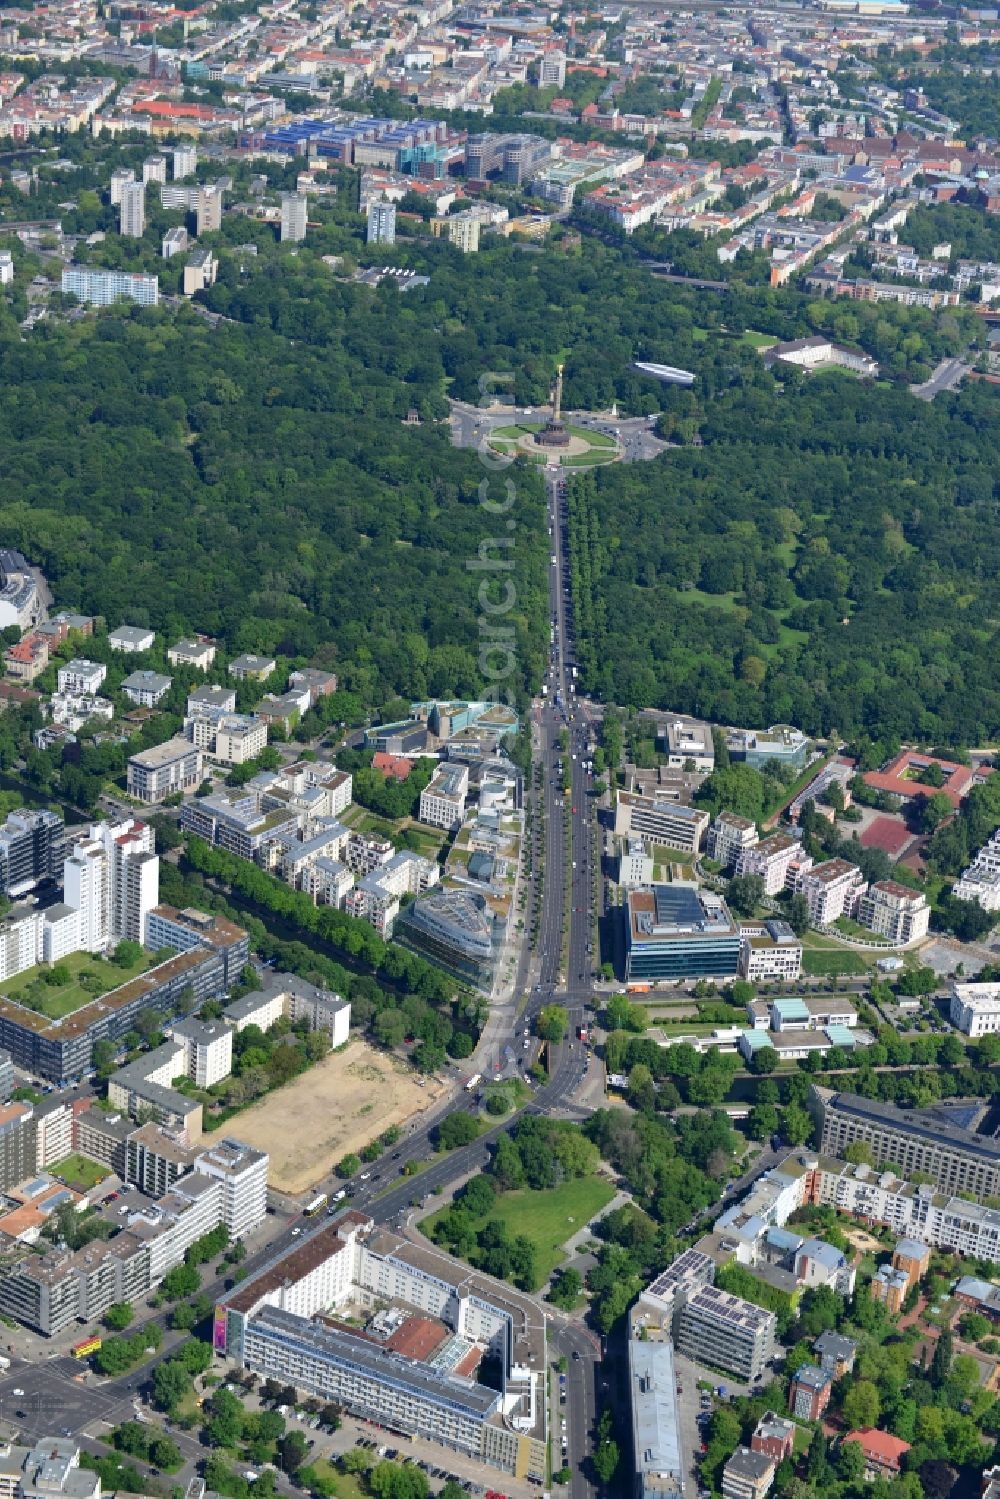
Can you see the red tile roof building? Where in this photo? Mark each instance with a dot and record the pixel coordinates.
(397, 766)
(883, 1453)
(900, 777)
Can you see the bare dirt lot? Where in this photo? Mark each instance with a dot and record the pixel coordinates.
(331, 1110)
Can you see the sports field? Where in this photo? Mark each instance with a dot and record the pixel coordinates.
(331, 1111)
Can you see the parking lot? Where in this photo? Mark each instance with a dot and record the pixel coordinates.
(440, 1463)
(694, 1407)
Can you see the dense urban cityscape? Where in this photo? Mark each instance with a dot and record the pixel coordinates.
(499, 749)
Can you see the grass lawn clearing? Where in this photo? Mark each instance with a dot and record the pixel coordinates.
(31, 989)
(79, 1172)
(819, 961)
(664, 854)
(755, 340)
(548, 1219)
(421, 840)
(349, 1485)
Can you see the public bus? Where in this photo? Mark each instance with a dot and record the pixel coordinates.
(87, 1347)
(316, 1206)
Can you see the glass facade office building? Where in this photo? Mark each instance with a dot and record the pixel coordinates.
(678, 932)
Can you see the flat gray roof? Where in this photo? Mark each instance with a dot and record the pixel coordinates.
(913, 1122)
(339, 1346)
(655, 1431)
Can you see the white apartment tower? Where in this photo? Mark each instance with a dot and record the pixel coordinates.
(185, 162)
(135, 879)
(86, 888)
(132, 221)
(112, 877)
(294, 210)
(552, 69)
(382, 223)
(120, 179)
(154, 168)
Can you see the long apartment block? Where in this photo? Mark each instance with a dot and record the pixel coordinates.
(287, 1323)
(909, 1141)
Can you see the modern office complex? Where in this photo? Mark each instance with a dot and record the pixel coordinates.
(707, 1323)
(769, 952)
(514, 158)
(104, 288)
(910, 1141)
(235, 820)
(454, 929)
(442, 801)
(660, 820)
(726, 1332)
(756, 747)
(679, 931)
(419, 1323)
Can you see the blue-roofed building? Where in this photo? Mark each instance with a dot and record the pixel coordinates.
(841, 1035)
(751, 1042)
(656, 1440)
(783, 1240)
(789, 1014)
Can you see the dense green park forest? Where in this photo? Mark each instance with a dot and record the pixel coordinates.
(828, 557)
(227, 480)
(245, 469)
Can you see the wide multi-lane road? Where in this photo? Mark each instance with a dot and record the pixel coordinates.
(568, 888)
